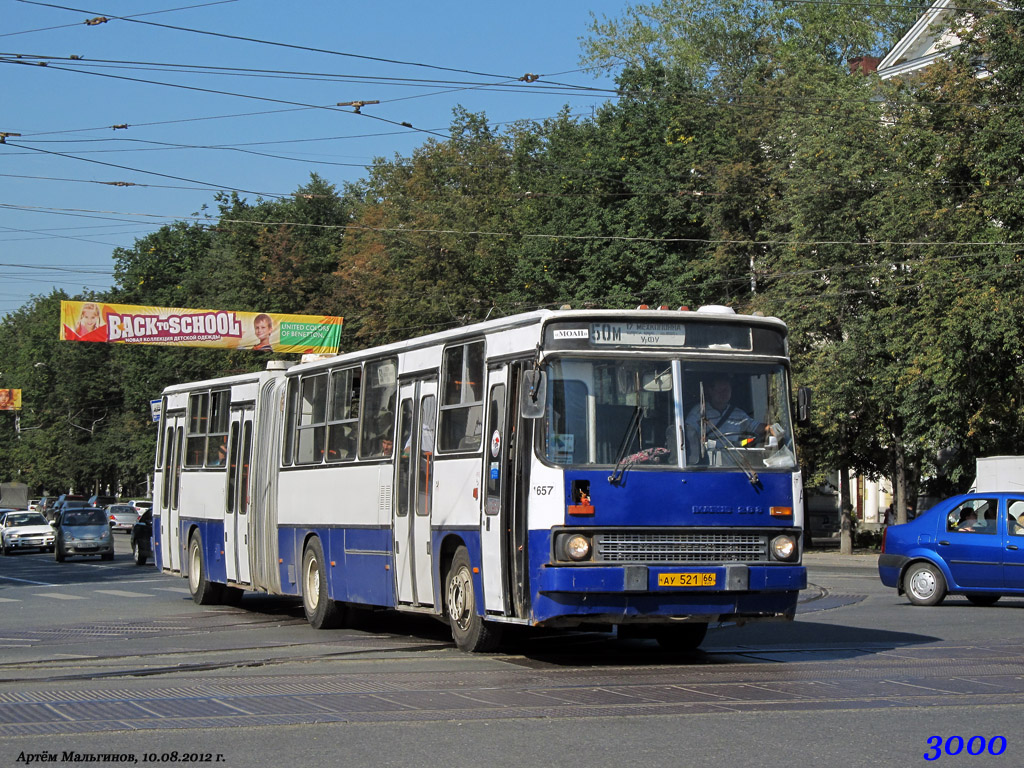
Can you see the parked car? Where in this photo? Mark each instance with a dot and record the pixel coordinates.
(142, 538)
(60, 506)
(25, 530)
(971, 545)
(82, 531)
(121, 517)
(46, 505)
(66, 497)
(102, 501)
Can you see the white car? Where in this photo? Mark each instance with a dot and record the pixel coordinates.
(25, 530)
(141, 505)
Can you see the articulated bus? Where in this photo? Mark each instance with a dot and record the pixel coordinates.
(572, 468)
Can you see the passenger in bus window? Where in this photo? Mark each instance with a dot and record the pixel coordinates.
(218, 453)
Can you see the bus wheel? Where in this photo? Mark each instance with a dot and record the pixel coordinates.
(321, 611)
(470, 632)
(683, 638)
(204, 592)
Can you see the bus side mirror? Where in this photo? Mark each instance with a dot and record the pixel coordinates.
(533, 394)
(803, 406)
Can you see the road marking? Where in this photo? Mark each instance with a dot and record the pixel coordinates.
(59, 596)
(29, 581)
(180, 590)
(8, 600)
(121, 593)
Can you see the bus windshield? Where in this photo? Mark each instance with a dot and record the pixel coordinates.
(663, 413)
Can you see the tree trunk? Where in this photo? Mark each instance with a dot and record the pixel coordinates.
(899, 482)
(845, 507)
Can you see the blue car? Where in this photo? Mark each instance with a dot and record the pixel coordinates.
(971, 545)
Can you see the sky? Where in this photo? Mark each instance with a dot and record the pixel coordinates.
(241, 95)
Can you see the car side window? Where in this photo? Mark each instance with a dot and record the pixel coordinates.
(1015, 517)
(974, 516)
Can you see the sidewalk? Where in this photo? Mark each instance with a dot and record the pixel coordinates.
(861, 558)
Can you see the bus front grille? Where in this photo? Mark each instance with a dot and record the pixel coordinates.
(690, 547)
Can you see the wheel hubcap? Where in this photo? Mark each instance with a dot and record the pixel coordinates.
(313, 583)
(193, 570)
(923, 584)
(460, 602)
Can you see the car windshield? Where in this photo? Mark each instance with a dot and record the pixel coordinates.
(667, 413)
(85, 517)
(31, 519)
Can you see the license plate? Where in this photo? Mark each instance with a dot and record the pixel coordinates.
(686, 579)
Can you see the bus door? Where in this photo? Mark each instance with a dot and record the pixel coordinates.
(413, 480)
(500, 526)
(236, 504)
(174, 446)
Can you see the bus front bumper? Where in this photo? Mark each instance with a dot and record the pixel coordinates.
(573, 595)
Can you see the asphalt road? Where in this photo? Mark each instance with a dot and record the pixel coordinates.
(101, 659)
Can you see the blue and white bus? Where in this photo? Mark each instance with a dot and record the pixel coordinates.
(630, 469)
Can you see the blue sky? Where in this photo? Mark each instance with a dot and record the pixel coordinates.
(61, 218)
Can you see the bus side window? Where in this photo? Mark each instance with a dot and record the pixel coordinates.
(377, 429)
(462, 405)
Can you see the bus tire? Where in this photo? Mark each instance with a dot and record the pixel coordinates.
(204, 591)
(681, 638)
(321, 611)
(924, 584)
(469, 630)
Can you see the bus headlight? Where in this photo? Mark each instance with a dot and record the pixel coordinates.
(784, 548)
(574, 547)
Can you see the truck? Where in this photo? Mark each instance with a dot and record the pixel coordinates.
(999, 473)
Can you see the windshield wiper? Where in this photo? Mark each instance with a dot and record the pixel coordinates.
(741, 460)
(627, 438)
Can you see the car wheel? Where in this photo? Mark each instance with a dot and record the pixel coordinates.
(924, 584)
(321, 611)
(58, 554)
(6, 551)
(107, 556)
(470, 632)
(137, 554)
(204, 592)
(978, 599)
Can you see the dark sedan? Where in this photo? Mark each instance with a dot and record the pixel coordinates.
(971, 545)
(142, 538)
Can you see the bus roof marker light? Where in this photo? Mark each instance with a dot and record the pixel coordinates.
(716, 309)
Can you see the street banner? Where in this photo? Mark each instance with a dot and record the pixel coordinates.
(219, 329)
(10, 399)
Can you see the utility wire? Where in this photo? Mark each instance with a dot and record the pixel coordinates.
(148, 13)
(277, 44)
